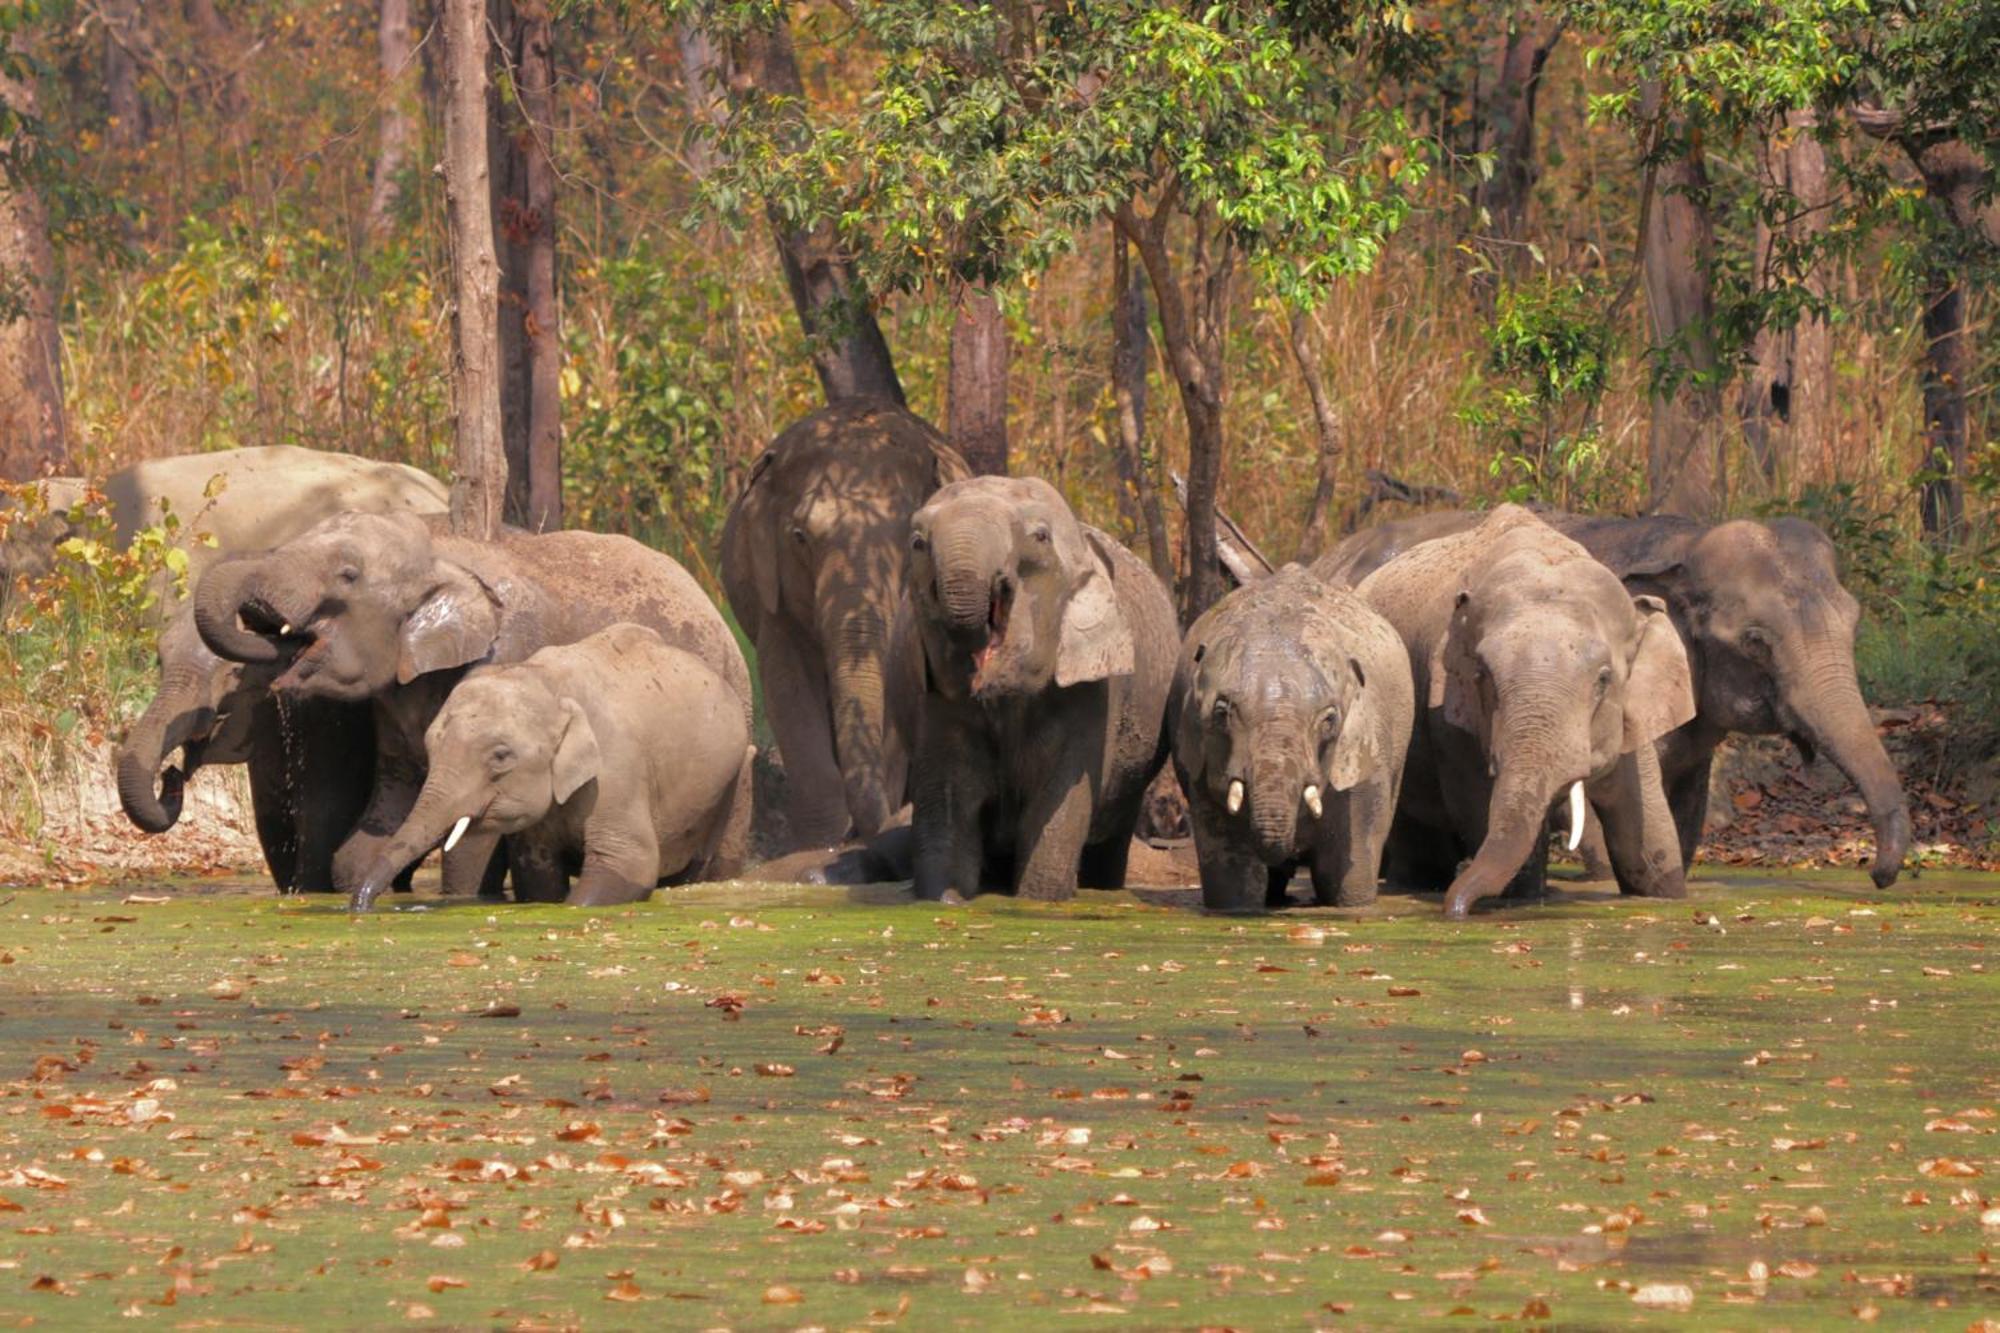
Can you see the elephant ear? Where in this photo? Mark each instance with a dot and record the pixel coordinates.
(947, 464)
(1357, 753)
(577, 758)
(748, 534)
(453, 626)
(1186, 711)
(1452, 673)
(1659, 693)
(1095, 641)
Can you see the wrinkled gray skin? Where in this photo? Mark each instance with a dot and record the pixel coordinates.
(1047, 653)
(1292, 693)
(310, 763)
(381, 609)
(812, 561)
(1535, 670)
(226, 501)
(1769, 633)
(618, 754)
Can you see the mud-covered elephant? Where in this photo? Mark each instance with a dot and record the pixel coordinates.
(382, 609)
(1290, 718)
(617, 754)
(1769, 633)
(229, 500)
(812, 560)
(311, 762)
(1047, 650)
(1538, 675)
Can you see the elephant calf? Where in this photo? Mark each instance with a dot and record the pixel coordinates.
(617, 751)
(1047, 653)
(1290, 719)
(1540, 675)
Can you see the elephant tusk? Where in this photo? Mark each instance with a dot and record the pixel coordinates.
(1235, 795)
(1313, 802)
(1575, 814)
(285, 630)
(458, 831)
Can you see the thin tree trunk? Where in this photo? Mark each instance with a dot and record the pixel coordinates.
(480, 490)
(1510, 130)
(1684, 466)
(32, 431)
(705, 90)
(1787, 390)
(1947, 367)
(542, 317)
(1326, 422)
(1129, 344)
(394, 52)
(848, 350)
(125, 106)
(219, 61)
(976, 397)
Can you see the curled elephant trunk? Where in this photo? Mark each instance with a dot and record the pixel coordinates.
(1516, 821)
(431, 821)
(219, 599)
(1834, 717)
(176, 716)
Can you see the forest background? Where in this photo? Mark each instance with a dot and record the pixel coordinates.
(1322, 259)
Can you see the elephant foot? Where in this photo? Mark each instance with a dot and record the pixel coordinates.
(950, 898)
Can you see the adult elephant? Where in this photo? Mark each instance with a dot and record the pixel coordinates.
(381, 609)
(1046, 650)
(229, 500)
(310, 763)
(812, 559)
(1537, 675)
(1769, 632)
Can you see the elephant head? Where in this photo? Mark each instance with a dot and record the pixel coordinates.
(1773, 631)
(1277, 713)
(1559, 672)
(1010, 594)
(503, 752)
(203, 708)
(350, 607)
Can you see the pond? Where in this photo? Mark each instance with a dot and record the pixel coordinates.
(769, 1107)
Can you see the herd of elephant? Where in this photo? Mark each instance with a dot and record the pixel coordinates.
(568, 710)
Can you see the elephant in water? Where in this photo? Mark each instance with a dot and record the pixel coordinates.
(812, 560)
(1047, 650)
(1539, 677)
(1769, 633)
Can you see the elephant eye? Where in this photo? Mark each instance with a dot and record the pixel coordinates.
(798, 534)
(1329, 723)
(1603, 680)
(919, 542)
(502, 756)
(1040, 532)
(1756, 639)
(349, 574)
(1220, 712)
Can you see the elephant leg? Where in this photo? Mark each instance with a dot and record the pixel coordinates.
(624, 871)
(796, 703)
(952, 784)
(1103, 863)
(1232, 879)
(399, 776)
(1687, 797)
(329, 755)
(1531, 881)
(1346, 868)
(1640, 836)
(466, 867)
(536, 864)
(1278, 885)
(275, 808)
(729, 844)
(1048, 838)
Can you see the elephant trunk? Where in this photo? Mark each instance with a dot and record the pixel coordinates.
(1540, 749)
(1516, 820)
(857, 649)
(218, 602)
(1826, 700)
(435, 818)
(966, 566)
(178, 713)
(1276, 788)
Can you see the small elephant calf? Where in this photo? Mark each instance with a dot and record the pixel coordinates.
(1290, 717)
(618, 752)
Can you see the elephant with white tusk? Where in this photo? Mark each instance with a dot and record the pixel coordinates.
(1293, 704)
(1540, 679)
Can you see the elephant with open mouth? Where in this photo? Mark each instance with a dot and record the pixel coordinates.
(1290, 717)
(1540, 680)
(383, 610)
(1047, 650)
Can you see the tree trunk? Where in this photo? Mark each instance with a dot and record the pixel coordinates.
(1947, 369)
(976, 400)
(848, 350)
(32, 434)
(705, 90)
(219, 58)
(394, 53)
(1684, 465)
(1510, 129)
(125, 107)
(1129, 344)
(1326, 422)
(1786, 393)
(481, 457)
(541, 314)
